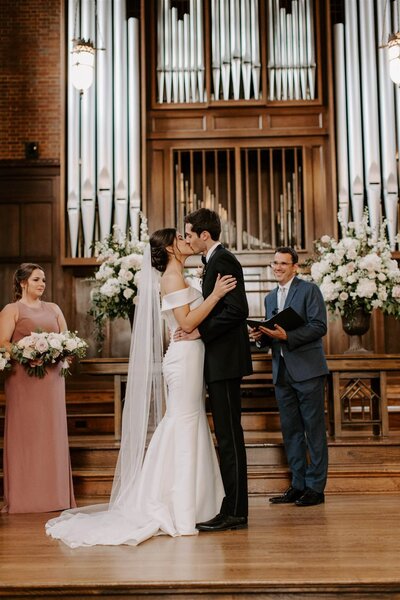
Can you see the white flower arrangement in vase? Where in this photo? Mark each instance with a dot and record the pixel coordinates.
(357, 273)
(117, 278)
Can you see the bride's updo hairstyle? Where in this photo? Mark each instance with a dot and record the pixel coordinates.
(159, 242)
(22, 274)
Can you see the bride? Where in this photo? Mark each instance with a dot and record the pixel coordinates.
(177, 483)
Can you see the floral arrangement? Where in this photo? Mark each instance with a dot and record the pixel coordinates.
(4, 359)
(39, 349)
(357, 272)
(118, 276)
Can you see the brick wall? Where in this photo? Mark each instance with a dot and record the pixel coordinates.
(30, 100)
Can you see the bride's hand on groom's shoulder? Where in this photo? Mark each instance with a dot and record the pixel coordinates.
(223, 285)
(181, 335)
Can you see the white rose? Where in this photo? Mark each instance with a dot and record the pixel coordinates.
(349, 243)
(366, 288)
(371, 262)
(376, 303)
(396, 291)
(352, 254)
(71, 345)
(136, 279)
(110, 288)
(343, 296)
(27, 353)
(55, 342)
(26, 342)
(329, 292)
(3, 363)
(41, 345)
(325, 239)
(125, 276)
(382, 294)
(351, 279)
(382, 277)
(128, 293)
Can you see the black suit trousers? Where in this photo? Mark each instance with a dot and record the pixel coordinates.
(225, 404)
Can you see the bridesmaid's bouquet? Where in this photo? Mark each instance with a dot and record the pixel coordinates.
(4, 359)
(40, 348)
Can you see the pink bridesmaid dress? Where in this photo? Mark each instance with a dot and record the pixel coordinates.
(37, 468)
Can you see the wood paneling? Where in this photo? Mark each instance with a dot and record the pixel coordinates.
(296, 121)
(190, 123)
(243, 122)
(29, 225)
(10, 230)
(36, 229)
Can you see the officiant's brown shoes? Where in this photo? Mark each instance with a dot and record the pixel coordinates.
(223, 523)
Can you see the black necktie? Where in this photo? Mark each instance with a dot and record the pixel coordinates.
(203, 260)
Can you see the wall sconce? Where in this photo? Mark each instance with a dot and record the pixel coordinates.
(82, 67)
(83, 53)
(393, 47)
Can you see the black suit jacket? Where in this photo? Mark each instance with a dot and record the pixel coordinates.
(224, 331)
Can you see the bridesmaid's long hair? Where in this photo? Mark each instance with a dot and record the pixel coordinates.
(23, 273)
(159, 241)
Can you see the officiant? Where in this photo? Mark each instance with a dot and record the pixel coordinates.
(299, 371)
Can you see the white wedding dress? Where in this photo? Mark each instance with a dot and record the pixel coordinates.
(179, 483)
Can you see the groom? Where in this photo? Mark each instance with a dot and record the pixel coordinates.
(227, 360)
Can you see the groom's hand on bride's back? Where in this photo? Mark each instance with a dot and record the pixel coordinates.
(181, 335)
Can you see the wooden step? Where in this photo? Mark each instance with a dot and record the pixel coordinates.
(355, 466)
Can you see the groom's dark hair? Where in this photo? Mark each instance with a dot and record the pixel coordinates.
(205, 219)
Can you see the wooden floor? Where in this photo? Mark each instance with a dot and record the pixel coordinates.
(349, 547)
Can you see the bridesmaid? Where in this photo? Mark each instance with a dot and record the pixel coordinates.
(37, 470)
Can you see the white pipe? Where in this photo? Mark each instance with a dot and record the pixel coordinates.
(341, 123)
(193, 50)
(181, 48)
(73, 191)
(388, 136)
(160, 51)
(174, 54)
(370, 113)
(134, 124)
(235, 47)
(310, 48)
(225, 48)
(396, 7)
(167, 50)
(88, 151)
(245, 46)
(271, 51)
(303, 48)
(120, 118)
(282, 25)
(255, 48)
(104, 118)
(295, 47)
(215, 47)
(200, 50)
(278, 52)
(289, 34)
(186, 57)
(354, 112)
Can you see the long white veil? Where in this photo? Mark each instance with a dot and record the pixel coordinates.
(142, 412)
(144, 389)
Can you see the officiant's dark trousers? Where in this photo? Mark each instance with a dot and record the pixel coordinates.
(302, 414)
(225, 405)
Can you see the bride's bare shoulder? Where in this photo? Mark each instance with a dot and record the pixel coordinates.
(172, 282)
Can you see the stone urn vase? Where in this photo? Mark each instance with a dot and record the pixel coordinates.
(131, 315)
(355, 324)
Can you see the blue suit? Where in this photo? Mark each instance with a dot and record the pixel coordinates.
(299, 369)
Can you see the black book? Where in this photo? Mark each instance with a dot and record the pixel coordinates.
(288, 319)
